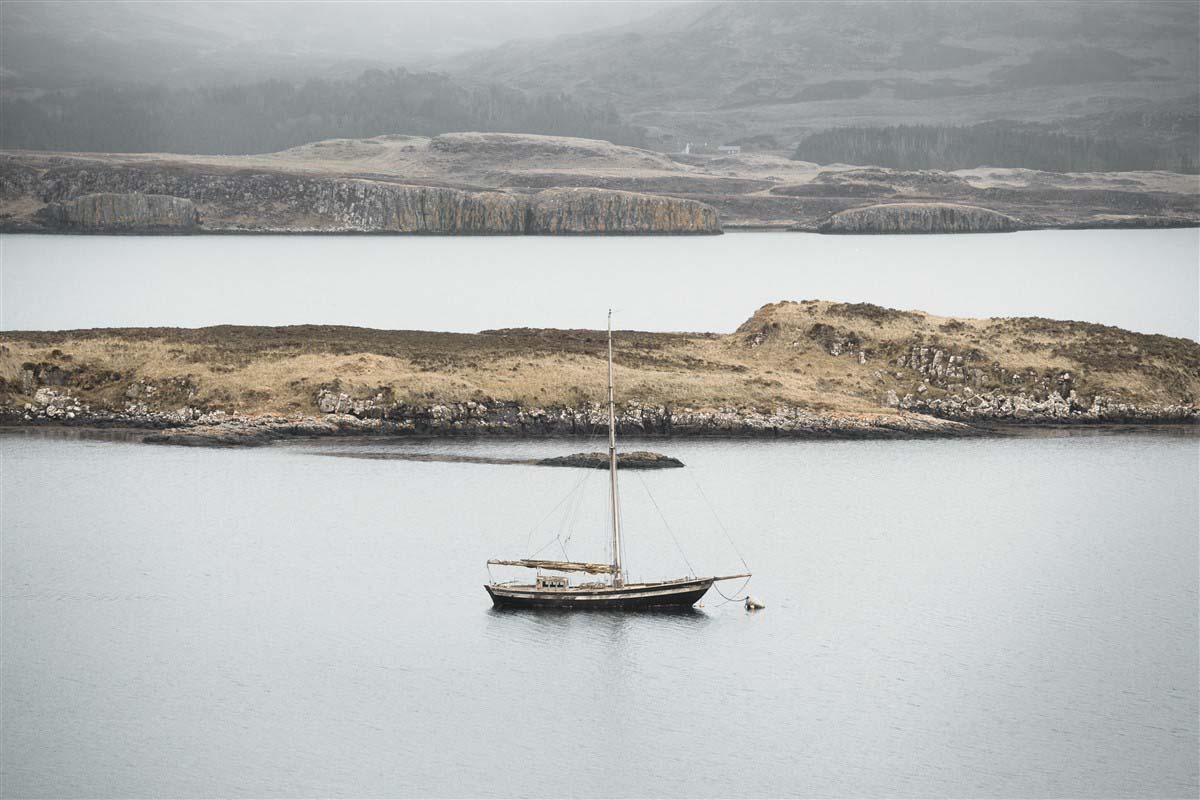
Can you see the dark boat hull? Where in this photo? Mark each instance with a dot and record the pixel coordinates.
(633, 597)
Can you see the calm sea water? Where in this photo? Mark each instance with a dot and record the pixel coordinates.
(992, 618)
(1146, 281)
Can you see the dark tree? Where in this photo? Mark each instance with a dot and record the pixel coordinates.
(274, 115)
(993, 144)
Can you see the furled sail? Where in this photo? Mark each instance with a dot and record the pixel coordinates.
(560, 566)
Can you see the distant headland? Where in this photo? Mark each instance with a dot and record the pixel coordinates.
(523, 184)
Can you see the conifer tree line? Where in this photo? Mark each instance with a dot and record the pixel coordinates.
(274, 115)
(995, 144)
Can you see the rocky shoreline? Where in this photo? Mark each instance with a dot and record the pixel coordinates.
(98, 198)
(345, 416)
(916, 419)
(518, 184)
(811, 369)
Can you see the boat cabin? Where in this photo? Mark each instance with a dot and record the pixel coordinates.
(551, 582)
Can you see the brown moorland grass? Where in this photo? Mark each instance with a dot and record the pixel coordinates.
(832, 357)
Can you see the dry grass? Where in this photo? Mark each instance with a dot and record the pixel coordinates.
(782, 355)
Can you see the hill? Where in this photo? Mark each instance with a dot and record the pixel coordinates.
(55, 44)
(769, 73)
(813, 368)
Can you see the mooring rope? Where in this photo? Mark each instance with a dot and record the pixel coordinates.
(733, 599)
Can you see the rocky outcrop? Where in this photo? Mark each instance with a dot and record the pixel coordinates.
(996, 406)
(382, 208)
(919, 218)
(97, 197)
(592, 211)
(274, 202)
(513, 420)
(960, 387)
(633, 418)
(371, 416)
(920, 416)
(637, 459)
(130, 212)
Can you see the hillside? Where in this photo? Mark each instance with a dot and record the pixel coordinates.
(1065, 86)
(51, 44)
(486, 182)
(808, 369)
(768, 73)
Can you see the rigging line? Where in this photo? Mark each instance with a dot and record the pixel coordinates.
(720, 524)
(577, 506)
(562, 524)
(569, 495)
(621, 519)
(667, 525)
(567, 528)
(733, 599)
(557, 537)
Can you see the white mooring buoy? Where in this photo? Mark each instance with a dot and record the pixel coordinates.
(754, 604)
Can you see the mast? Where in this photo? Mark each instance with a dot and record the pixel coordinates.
(617, 578)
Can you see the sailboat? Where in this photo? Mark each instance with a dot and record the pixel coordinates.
(611, 591)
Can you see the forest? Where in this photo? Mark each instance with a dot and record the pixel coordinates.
(995, 144)
(274, 115)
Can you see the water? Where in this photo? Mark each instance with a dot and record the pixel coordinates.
(1003, 617)
(1144, 280)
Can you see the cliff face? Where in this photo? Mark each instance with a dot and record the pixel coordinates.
(277, 191)
(122, 212)
(93, 196)
(362, 206)
(919, 218)
(602, 211)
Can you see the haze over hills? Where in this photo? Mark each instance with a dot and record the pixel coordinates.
(728, 71)
(52, 45)
(1057, 86)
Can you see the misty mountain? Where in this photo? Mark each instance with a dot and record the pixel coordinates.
(54, 45)
(1097, 83)
(730, 71)
(997, 144)
(274, 115)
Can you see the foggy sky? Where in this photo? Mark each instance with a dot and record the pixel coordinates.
(56, 44)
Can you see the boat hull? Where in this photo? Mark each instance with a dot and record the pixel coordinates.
(634, 597)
